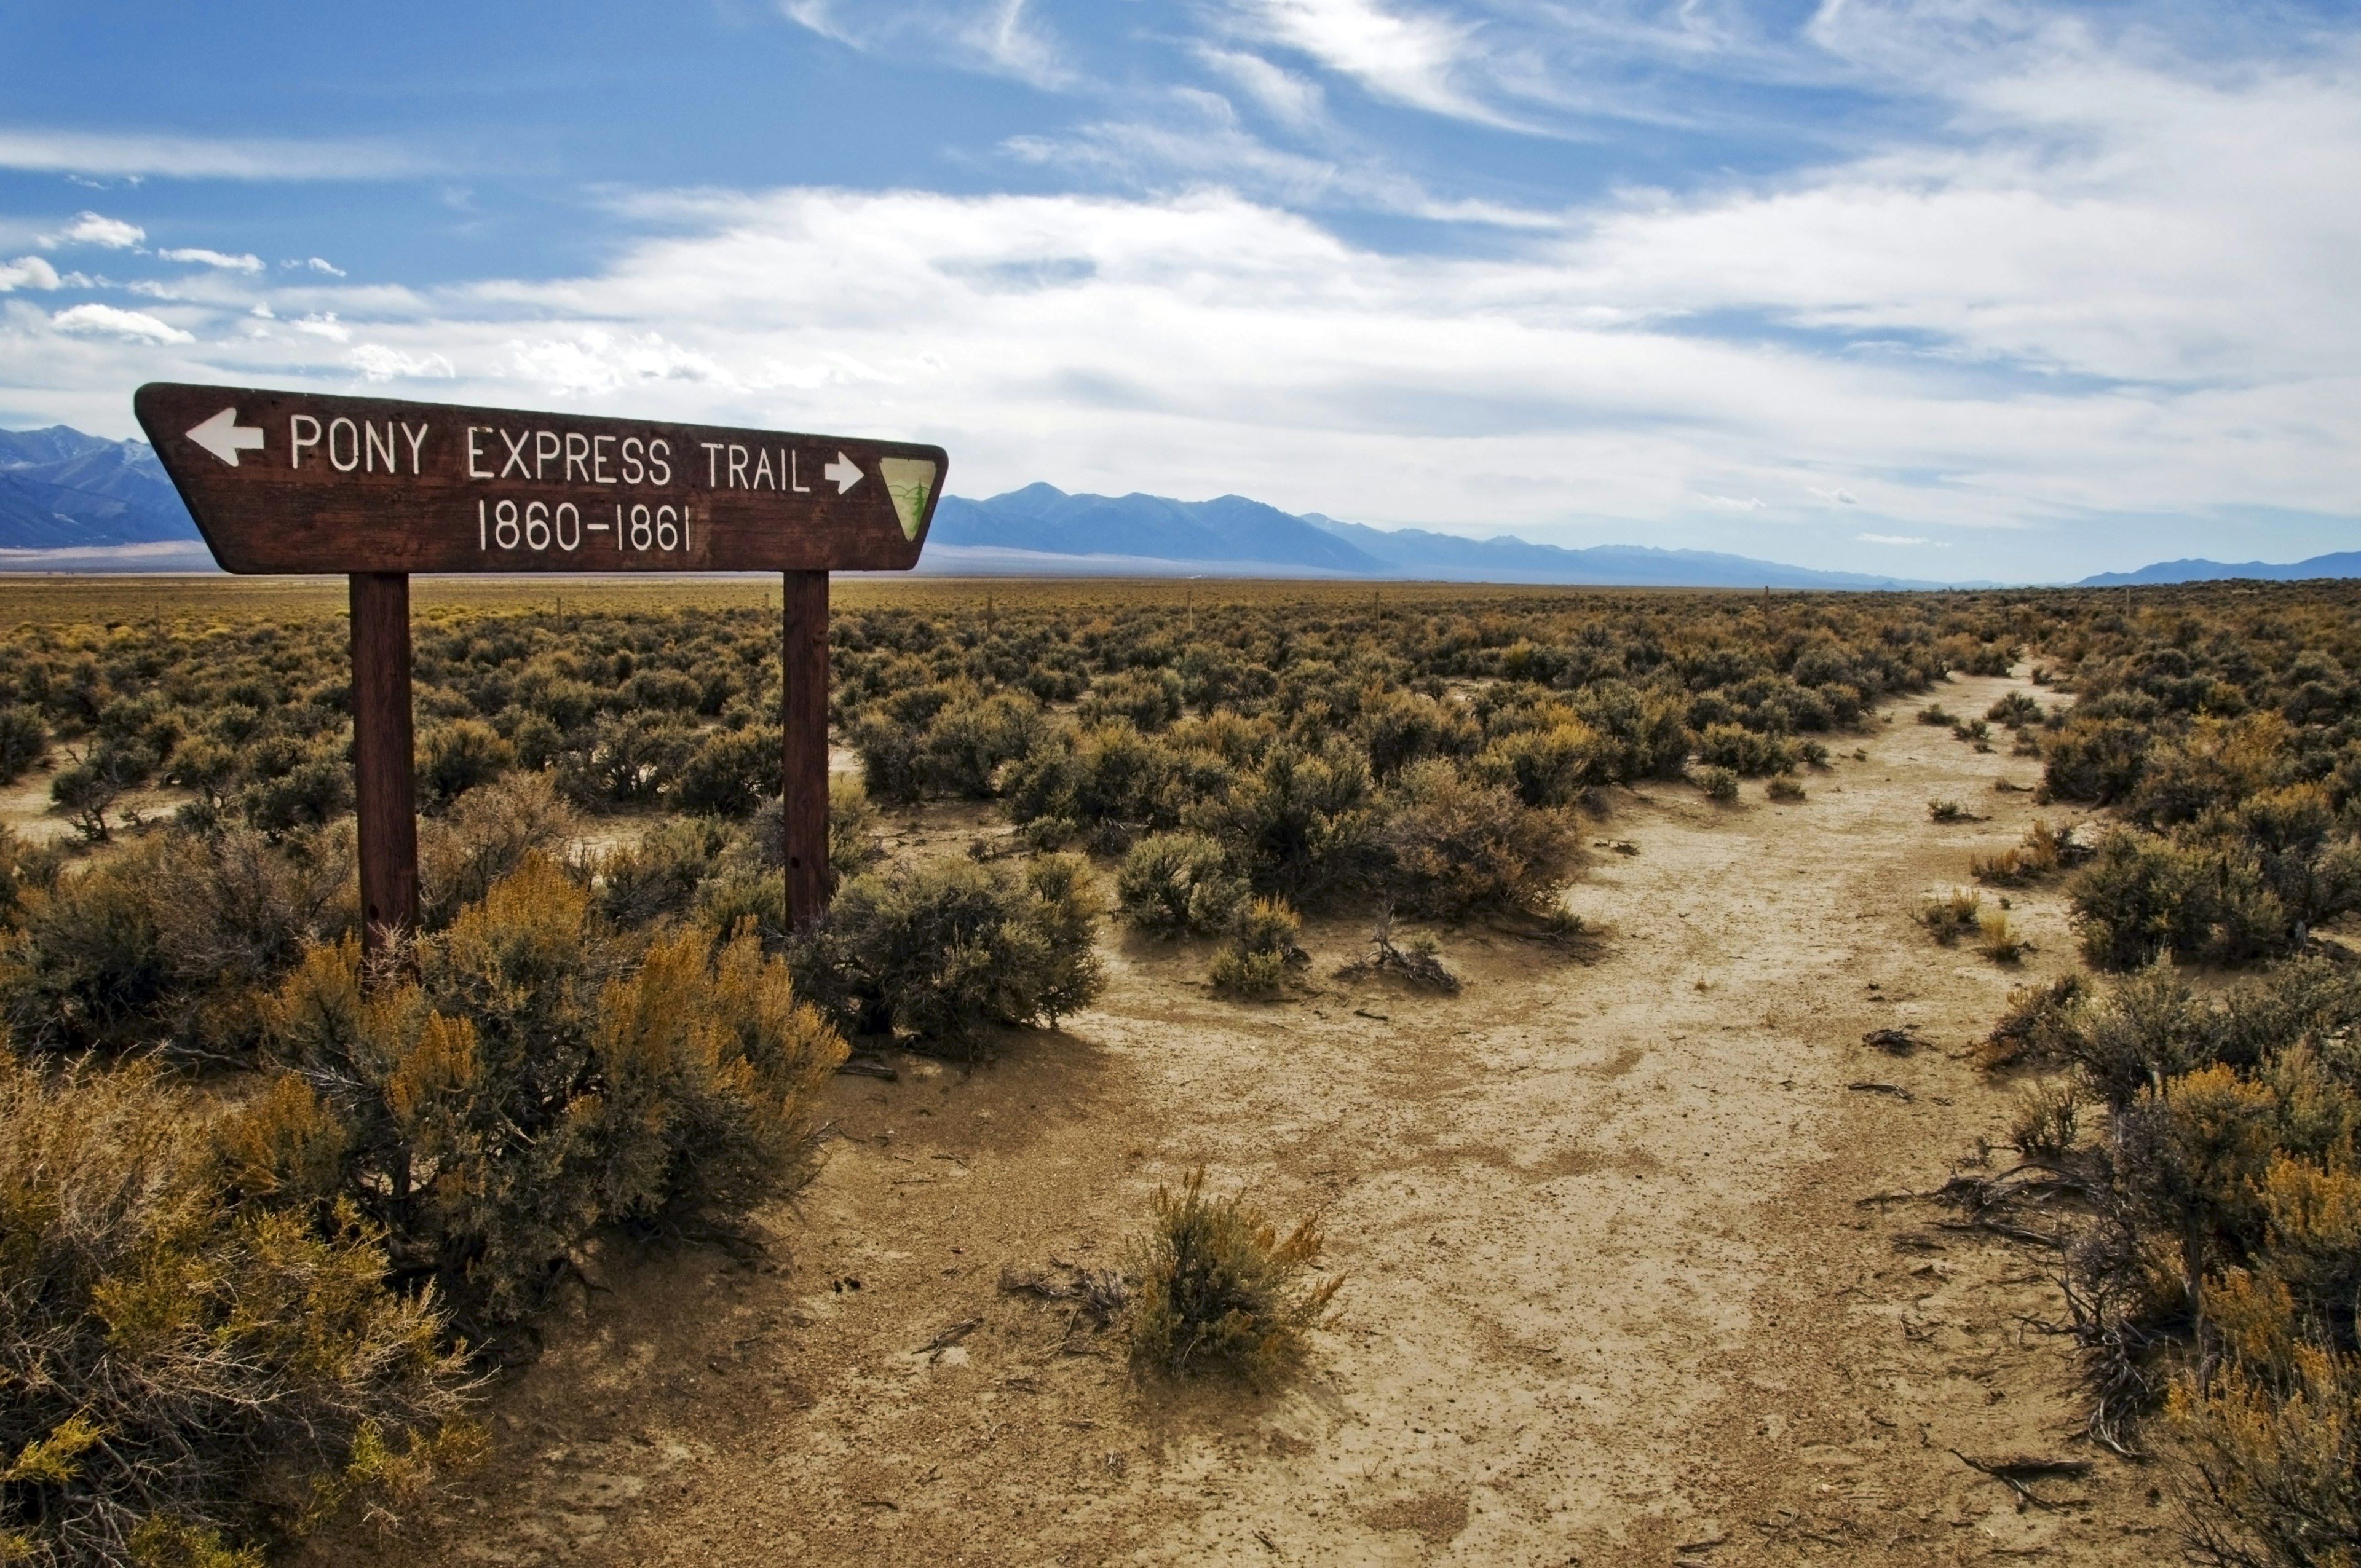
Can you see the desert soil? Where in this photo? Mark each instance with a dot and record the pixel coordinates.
(1614, 1293)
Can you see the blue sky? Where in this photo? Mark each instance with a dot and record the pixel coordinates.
(1958, 288)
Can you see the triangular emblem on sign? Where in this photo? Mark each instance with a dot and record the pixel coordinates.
(911, 481)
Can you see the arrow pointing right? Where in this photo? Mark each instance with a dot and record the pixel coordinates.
(844, 471)
(224, 437)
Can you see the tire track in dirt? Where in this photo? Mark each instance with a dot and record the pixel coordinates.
(1612, 1297)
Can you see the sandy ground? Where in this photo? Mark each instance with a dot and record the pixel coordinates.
(1613, 1293)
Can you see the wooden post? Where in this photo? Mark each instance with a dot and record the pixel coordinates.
(382, 777)
(803, 715)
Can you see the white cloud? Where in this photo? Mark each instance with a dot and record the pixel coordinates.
(1837, 497)
(107, 321)
(325, 326)
(194, 157)
(378, 363)
(204, 258)
(28, 273)
(1891, 539)
(91, 228)
(318, 265)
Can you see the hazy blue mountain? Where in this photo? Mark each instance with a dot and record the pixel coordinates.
(2344, 564)
(1037, 528)
(1045, 519)
(1504, 558)
(62, 489)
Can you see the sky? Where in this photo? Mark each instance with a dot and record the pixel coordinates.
(1949, 289)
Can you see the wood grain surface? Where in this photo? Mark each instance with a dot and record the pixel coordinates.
(285, 481)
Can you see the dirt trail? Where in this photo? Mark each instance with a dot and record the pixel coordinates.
(1612, 1295)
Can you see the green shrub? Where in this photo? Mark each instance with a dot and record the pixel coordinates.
(456, 757)
(1552, 766)
(2097, 760)
(733, 771)
(889, 758)
(1302, 824)
(1717, 783)
(1262, 953)
(1175, 882)
(1455, 849)
(24, 741)
(1149, 699)
(660, 876)
(2140, 897)
(2014, 710)
(1746, 752)
(971, 740)
(944, 951)
(1220, 1289)
(185, 1372)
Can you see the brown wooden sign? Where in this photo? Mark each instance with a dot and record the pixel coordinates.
(378, 490)
(299, 482)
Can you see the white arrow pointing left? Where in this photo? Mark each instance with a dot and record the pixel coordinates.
(844, 471)
(224, 437)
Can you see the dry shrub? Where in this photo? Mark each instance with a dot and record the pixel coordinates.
(1784, 788)
(1952, 916)
(187, 1373)
(485, 835)
(1172, 884)
(2275, 1456)
(1997, 939)
(169, 939)
(1220, 1289)
(2040, 1025)
(945, 952)
(1416, 960)
(1458, 848)
(1949, 811)
(2046, 1121)
(2039, 856)
(1261, 957)
(1933, 713)
(530, 1083)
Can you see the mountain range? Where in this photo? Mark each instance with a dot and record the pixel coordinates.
(2342, 564)
(61, 489)
(72, 503)
(1041, 528)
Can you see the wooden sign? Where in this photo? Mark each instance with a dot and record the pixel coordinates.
(299, 482)
(378, 490)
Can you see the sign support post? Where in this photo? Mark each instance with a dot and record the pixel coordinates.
(379, 490)
(803, 721)
(384, 782)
